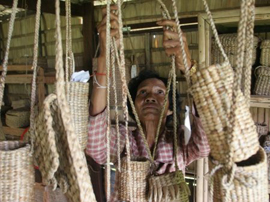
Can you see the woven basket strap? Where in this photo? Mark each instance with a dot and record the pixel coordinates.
(5, 62)
(213, 27)
(34, 81)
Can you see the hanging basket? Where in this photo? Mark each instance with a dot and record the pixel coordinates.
(262, 85)
(16, 172)
(230, 46)
(212, 92)
(140, 171)
(265, 53)
(262, 129)
(78, 102)
(249, 184)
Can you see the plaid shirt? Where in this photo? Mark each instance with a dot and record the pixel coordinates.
(197, 146)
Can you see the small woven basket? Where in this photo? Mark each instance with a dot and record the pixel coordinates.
(78, 102)
(168, 187)
(140, 171)
(265, 53)
(249, 184)
(230, 46)
(262, 85)
(262, 129)
(16, 172)
(212, 92)
(17, 118)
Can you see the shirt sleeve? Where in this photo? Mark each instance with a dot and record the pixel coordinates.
(197, 146)
(97, 141)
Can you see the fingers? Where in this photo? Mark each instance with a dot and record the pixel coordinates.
(170, 23)
(114, 8)
(171, 35)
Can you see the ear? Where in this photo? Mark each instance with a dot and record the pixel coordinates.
(169, 112)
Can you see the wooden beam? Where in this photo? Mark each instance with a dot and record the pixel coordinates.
(47, 6)
(88, 35)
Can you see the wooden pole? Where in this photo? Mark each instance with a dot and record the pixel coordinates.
(147, 43)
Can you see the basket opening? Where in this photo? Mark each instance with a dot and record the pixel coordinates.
(253, 160)
(11, 145)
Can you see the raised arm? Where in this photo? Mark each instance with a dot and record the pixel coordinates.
(98, 97)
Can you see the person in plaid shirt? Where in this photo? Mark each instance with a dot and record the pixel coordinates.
(148, 91)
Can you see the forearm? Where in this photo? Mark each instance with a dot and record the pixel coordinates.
(99, 94)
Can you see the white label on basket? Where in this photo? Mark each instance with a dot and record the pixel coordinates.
(133, 71)
(187, 126)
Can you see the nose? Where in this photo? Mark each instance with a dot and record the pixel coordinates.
(150, 99)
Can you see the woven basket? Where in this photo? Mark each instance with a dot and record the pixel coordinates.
(46, 194)
(253, 174)
(17, 118)
(229, 43)
(262, 85)
(168, 187)
(16, 172)
(265, 53)
(212, 92)
(262, 129)
(78, 102)
(140, 171)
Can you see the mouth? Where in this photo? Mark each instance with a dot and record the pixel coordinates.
(150, 106)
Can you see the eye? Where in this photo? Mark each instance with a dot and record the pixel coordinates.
(161, 92)
(142, 92)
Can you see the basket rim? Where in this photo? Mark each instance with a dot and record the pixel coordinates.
(22, 146)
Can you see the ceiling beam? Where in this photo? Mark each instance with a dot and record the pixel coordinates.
(47, 6)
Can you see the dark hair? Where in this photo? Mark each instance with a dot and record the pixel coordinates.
(149, 74)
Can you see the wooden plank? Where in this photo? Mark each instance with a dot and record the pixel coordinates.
(18, 68)
(147, 42)
(260, 101)
(261, 115)
(13, 131)
(47, 6)
(255, 114)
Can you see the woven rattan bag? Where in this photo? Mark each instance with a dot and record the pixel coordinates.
(262, 85)
(212, 92)
(16, 172)
(18, 118)
(250, 181)
(265, 53)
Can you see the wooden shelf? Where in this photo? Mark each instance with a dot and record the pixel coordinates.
(13, 131)
(260, 101)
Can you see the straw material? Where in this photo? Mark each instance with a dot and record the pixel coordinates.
(53, 157)
(265, 53)
(230, 45)
(16, 172)
(46, 194)
(262, 128)
(18, 118)
(78, 102)
(262, 85)
(168, 187)
(212, 92)
(140, 171)
(249, 184)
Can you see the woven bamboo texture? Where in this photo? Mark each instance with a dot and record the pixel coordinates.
(229, 43)
(262, 85)
(18, 118)
(262, 128)
(212, 92)
(16, 172)
(53, 156)
(250, 183)
(78, 102)
(168, 188)
(265, 53)
(140, 171)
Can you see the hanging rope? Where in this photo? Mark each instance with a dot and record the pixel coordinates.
(34, 67)
(69, 55)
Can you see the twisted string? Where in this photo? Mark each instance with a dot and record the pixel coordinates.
(5, 62)
(69, 55)
(108, 41)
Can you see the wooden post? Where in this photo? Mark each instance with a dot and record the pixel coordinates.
(147, 42)
(88, 35)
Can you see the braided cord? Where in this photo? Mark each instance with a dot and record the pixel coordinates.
(69, 67)
(5, 62)
(34, 84)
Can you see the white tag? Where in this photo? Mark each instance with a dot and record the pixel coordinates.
(81, 76)
(133, 71)
(187, 126)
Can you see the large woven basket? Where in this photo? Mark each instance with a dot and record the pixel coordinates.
(140, 171)
(16, 172)
(262, 85)
(168, 187)
(265, 53)
(212, 92)
(230, 46)
(78, 102)
(262, 128)
(17, 118)
(250, 182)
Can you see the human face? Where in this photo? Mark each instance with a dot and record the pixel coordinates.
(149, 100)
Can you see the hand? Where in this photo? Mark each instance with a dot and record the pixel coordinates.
(102, 28)
(172, 45)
